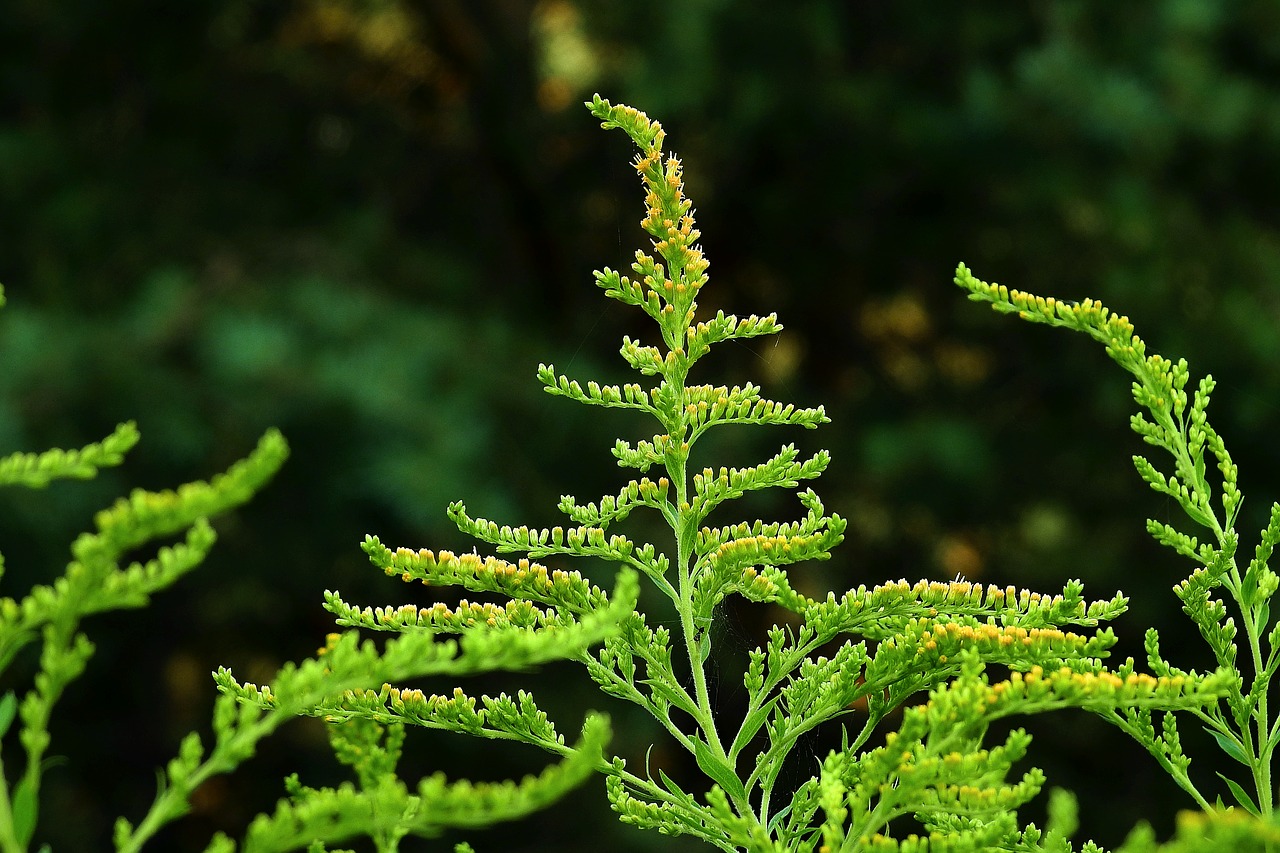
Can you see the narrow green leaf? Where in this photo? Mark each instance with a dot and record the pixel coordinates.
(1229, 745)
(25, 809)
(675, 789)
(1263, 615)
(719, 772)
(1273, 741)
(1242, 797)
(675, 697)
(1195, 513)
(779, 816)
(8, 708)
(751, 725)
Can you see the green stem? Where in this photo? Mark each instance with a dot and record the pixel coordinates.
(1258, 721)
(685, 537)
(173, 800)
(1261, 718)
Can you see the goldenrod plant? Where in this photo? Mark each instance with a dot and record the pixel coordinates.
(98, 579)
(907, 676)
(1242, 722)
(853, 660)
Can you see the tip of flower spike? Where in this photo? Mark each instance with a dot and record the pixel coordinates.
(646, 133)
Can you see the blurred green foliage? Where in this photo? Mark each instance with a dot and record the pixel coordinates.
(366, 221)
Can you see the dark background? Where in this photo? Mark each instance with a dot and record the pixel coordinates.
(367, 222)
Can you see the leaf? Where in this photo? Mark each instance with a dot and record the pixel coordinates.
(1242, 797)
(752, 724)
(8, 708)
(719, 772)
(1195, 513)
(25, 809)
(1229, 745)
(1273, 741)
(675, 789)
(674, 697)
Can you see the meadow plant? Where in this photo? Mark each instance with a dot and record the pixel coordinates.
(380, 806)
(909, 675)
(1242, 721)
(852, 659)
(96, 580)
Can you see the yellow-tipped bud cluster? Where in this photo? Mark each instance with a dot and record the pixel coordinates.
(440, 617)
(942, 641)
(522, 579)
(424, 562)
(1088, 316)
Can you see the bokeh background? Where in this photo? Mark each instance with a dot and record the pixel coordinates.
(366, 222)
